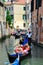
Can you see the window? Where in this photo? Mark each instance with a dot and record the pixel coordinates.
(9, 8)
(24, 17)
(6, 8)
(42, 24)
(9, 0)
(27, 7)
(24, 8)
(38, 3)
(24, 24)
(4, 23)
(28, 16)
(12, 8)
(14, 0)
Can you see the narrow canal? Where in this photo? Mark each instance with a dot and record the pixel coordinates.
(35, 59)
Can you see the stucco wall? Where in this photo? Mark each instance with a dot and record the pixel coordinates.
(18, 15)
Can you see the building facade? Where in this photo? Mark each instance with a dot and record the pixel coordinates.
(20, 15)
(20, 12)
(2, 19)
(23, 15)
(37, 20)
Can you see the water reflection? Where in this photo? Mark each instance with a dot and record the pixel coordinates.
(11, 43)
(3, 54)
(37, 57)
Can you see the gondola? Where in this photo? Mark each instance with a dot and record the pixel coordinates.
(16, 62)
(12, 57)
(23, 51)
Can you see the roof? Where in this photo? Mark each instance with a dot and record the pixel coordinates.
(17, 2)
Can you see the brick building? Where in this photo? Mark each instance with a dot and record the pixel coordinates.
(37, 20)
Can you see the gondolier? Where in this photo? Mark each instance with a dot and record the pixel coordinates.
(29, 34)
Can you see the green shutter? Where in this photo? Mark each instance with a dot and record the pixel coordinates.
(24, 17)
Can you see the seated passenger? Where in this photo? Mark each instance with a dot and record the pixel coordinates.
(23, 48)
(25, 41)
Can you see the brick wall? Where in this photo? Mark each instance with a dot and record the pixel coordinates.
(37, 27)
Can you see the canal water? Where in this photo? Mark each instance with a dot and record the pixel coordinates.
(3, 54)
(36, 53)
(36, 57)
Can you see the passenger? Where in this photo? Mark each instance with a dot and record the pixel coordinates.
(25, 42)
(24, 47)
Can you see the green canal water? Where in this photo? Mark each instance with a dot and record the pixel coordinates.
(3, 54)
(36, 53)
(32, 61)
